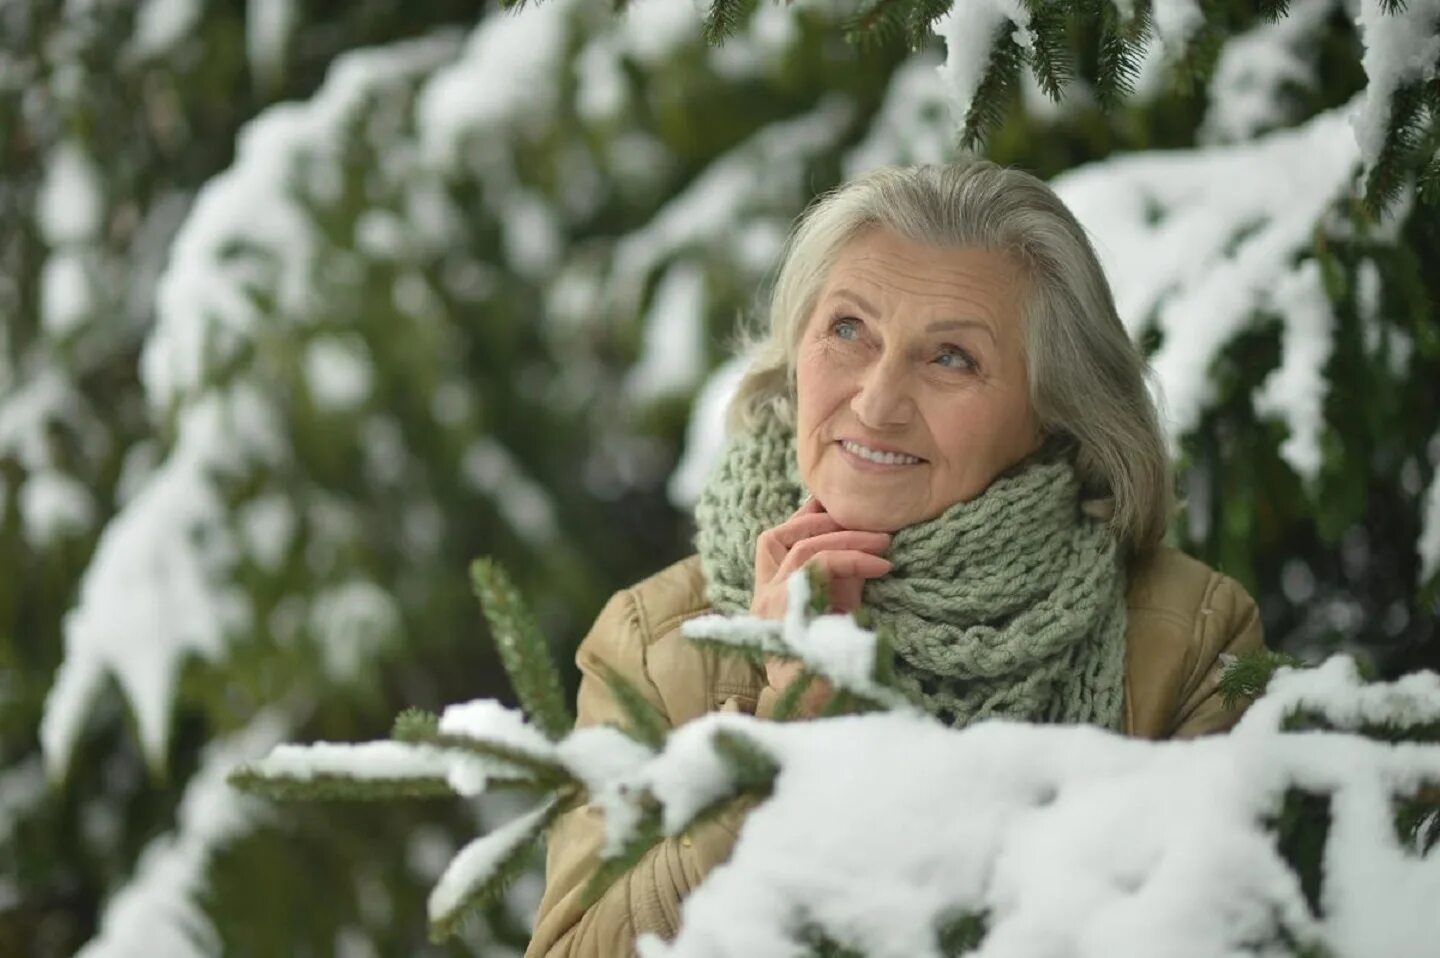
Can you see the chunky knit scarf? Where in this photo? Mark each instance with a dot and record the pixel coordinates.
(1010, 605)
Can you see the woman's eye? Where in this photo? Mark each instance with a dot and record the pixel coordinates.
(952, 358)
(846, 329)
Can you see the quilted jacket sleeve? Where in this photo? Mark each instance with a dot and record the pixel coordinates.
(1227, 624)
(648, 897)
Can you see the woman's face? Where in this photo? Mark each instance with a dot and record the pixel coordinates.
(913, 355)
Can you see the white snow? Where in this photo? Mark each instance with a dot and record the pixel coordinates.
(488, 720)
(66, 295)
(366, 761)
(599, 754)
(1175, 23)
(352, 622)
(1429, 544)
(205, 314)
(512, 58)
(71, 201)
(913, 124)
(54, 505)
(158, 912)
(969, 31)
(339, 372)
(1257, 68)
(157, 589)
(1336, 691)
(477, 860)
(160, 25)
(1296, 391)
(1200, 241)
(267, 527)
(705, 434)
(1400, 48)
(1072, 840)
(727, 194)
(268, 26)
(830, 645)
(672, 357)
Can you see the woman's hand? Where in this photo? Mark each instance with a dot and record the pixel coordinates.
(848, 558)
(812, 537)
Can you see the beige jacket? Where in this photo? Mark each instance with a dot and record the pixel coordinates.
(1182, 616)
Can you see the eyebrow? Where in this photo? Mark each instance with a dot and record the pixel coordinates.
(938, 325)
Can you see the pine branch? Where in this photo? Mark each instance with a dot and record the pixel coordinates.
(646, 723)
(921, 18)
(880, 23)
(544, 774)
(1392, 170)
(752, 769)
(789, 699)
(1417, 820)
(496, 860)
(645, 836)
(1272, 10)
(415, 725)
(1002, 73)
(329, 787)
(1119, 61)
(725, 19)
(418, 727)
(962, 933)
(522, 649)
(1429, 182)
(1049, 57)
(1248, 675)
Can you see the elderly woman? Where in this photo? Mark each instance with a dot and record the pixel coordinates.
(947, 417)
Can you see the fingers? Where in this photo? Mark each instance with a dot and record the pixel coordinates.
(848, 549)
(772, 545)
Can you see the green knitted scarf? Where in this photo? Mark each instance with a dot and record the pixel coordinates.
(1010, 605)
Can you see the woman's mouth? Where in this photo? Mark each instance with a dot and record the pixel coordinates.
(864, 454)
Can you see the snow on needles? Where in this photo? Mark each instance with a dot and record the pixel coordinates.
(1070, 840)
(1198, 242)
(159, 912)
(1401, 47)
(156, 590)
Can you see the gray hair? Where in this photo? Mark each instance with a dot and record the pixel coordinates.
(1087, 379)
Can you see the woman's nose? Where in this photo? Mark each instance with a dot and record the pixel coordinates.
(883, 399)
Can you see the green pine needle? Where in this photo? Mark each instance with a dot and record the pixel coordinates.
(725, 19)
(546, 773)
(1050, 58)
(996, 86)
(1119, 63)
(522, 649)
(645, 723)
(514, 863)
(646, 835)
(789, 699)
(415, 725)
(752, 769)
(1247, 677)
(423, 728)
(880, 23)
(962, 933)
(922, 16)
(327, 787)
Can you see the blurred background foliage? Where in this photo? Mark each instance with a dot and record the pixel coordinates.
(306, 305)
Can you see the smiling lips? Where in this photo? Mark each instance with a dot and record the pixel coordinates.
(877, 456)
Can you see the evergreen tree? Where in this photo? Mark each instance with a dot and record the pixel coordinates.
(457, 298)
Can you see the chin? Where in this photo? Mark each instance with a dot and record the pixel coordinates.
(859, 515)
